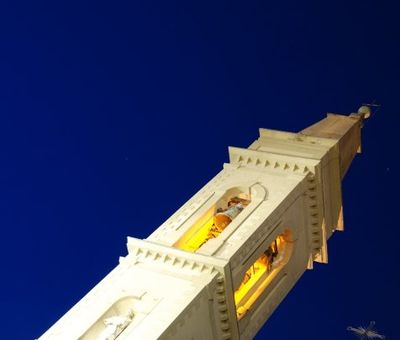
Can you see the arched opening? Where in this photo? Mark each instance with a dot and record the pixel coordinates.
(262, 272)
(212, 223)
(113, 322)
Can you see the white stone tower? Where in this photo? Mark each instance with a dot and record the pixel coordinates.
(219, 266)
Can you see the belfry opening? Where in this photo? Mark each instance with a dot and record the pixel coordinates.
(217, 218)
(262, 272)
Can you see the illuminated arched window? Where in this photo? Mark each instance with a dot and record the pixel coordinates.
(211, 224)
(262, 272)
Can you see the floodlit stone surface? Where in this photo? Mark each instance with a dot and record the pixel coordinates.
(219, 266)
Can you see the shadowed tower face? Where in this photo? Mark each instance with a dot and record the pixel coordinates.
(219, 266)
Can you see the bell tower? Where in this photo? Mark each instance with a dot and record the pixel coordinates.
(221, 264)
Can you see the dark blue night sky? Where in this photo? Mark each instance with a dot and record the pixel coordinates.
(104, 103)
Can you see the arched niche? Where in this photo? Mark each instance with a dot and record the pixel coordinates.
(113, 322)
(263, 271)
(221, 208)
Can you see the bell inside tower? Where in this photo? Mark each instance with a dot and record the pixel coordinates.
(262, 272)
(214, 221)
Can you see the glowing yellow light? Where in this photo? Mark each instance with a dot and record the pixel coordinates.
(251, 277)
(209, 226)
(256, 279)
(197, 234)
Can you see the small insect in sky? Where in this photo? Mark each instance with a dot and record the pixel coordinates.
(366, 333)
